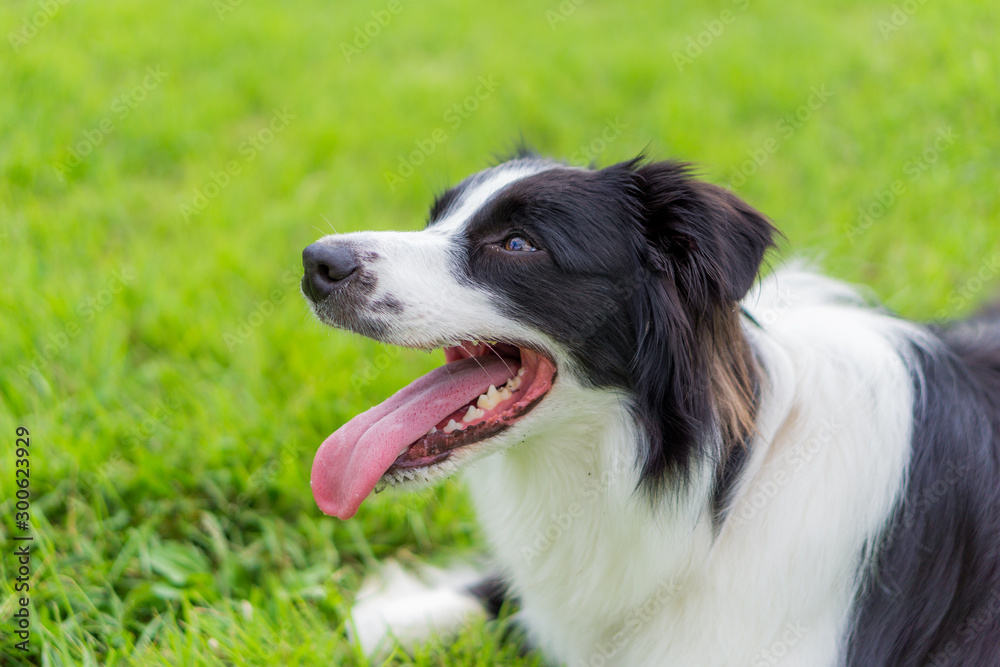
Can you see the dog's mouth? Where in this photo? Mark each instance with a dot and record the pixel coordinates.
(482, 389)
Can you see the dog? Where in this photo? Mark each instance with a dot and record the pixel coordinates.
(674, 461)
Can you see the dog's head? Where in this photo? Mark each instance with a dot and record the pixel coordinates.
(532, 275)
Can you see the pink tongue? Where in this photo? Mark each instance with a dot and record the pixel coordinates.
(350, 462)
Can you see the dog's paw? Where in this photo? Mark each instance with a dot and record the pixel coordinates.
(407, 609)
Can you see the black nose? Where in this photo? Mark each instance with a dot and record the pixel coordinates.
(328, 266)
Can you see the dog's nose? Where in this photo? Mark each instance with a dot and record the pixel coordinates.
(328, 266)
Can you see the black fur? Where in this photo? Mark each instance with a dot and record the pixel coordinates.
(492, 592)
(705, 249)
(637, 275)
(934, 595)
(636, 264)
(727, 480)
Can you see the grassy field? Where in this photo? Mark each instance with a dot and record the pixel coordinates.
(162, 165)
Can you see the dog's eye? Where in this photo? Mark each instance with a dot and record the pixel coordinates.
(518, 244)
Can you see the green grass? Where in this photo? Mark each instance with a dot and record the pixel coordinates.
(180, 389)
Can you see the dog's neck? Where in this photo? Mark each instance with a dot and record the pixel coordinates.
(568, 520)
(564, 515)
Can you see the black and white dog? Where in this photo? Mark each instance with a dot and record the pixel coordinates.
(673, 463)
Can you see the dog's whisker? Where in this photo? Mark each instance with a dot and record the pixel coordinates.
(500, 357)
(329, 223)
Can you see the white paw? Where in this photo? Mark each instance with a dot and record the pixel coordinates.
(394, 605)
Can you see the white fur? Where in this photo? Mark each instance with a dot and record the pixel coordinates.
(606, 578)
(396, 606)
(476, 195)
(415, 270)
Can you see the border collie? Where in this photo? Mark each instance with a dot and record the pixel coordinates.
(673, 463)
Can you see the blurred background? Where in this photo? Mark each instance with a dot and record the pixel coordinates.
(162, 165)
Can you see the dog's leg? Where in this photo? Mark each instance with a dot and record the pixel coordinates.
(491, 591)
(409, 608)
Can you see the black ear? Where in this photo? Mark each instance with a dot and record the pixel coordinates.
(715, 240)
(692, 369)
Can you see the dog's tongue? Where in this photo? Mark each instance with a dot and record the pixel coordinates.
(350, 462)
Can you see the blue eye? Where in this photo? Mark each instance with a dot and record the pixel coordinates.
(517, 244)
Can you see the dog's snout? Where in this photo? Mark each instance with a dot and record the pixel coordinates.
(327, 266)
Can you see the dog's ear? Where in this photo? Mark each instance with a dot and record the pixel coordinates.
(691, 369)
(715, 241)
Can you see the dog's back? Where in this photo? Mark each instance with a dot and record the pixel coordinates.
(934, 596)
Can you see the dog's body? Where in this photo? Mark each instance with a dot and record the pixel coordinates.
(680, 480)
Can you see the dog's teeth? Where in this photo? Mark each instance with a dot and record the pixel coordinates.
(473, 413)
(452, 426)
(513, 384)
(488, 401)
(494, 397)
(434, 429)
